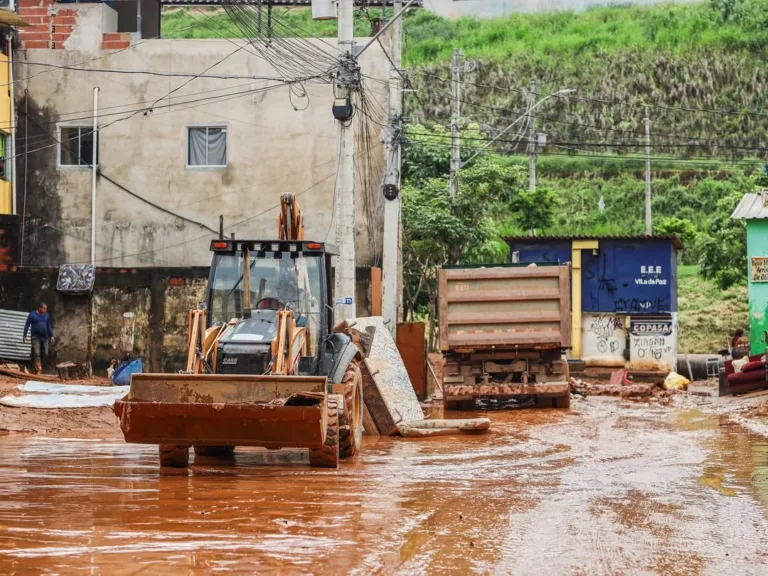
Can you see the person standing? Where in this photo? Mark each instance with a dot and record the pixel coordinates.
(39, 324)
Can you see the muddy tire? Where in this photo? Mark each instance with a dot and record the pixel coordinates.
(327, 455)
(174, 456)
(351, 419)
(563, 401)
(215, 451)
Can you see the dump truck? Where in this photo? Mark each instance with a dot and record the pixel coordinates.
(503, 333)
(266, 366)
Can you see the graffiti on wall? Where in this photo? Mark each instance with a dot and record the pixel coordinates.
(603, 335)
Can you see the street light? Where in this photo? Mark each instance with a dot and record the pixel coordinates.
(562, 92)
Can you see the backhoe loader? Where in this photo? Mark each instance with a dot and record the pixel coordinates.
(265, 366)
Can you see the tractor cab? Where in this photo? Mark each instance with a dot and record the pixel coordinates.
(279, 276)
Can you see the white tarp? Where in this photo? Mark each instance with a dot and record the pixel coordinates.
(34, 394)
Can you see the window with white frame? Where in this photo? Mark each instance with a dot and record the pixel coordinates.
(76, 145)
(6, 162)
(206, 146)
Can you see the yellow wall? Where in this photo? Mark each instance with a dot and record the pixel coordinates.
(6, 189)
(576, 248)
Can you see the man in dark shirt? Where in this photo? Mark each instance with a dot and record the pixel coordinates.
(40, 324)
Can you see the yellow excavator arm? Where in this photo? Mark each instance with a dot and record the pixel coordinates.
(290, 222)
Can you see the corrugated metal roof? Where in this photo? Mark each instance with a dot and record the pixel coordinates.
(11, 334)
(676, 242)
(751, 207)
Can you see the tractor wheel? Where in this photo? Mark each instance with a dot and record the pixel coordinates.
(215, 451)
(327, 455)
(351, 420)
(174, 456)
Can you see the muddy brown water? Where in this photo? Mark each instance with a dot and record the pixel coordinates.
(608, 488)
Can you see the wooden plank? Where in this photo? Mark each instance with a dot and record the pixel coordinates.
(501, 273)
(412, 347)
(505, 338)
(502, 295)
(565, 306)
(504, 318)
(375, 291)
(442, 302)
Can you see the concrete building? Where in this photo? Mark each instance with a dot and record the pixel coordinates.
(226, 144)
(623, 295)
(753, 208)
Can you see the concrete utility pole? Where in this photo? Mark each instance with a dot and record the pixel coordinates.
(648, 219)
(455, 122)
(390, 297)
(345, 307)
(532, 137)
(94, 171)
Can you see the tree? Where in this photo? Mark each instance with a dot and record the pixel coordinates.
(439, 230)
(723, 252)
(683, 229)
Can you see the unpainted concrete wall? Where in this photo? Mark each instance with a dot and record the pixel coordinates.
(160, 298)
(277, 142)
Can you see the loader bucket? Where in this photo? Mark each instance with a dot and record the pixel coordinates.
(224, 410)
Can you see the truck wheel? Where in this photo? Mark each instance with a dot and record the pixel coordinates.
(215, 451)
(327, 455)
(174, 455)
(563, 401)
(351, 420)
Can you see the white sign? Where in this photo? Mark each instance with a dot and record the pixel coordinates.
(653, 343)
(347, 301)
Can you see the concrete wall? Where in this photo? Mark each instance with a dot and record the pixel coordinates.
(160, 298)
(490, 8)
(757, 247)
(272, 149)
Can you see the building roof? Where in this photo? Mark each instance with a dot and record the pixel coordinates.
(676, 242)
(273, 2)
(751, 207)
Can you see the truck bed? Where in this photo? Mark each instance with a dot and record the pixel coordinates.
(502, 331)
(505, 307)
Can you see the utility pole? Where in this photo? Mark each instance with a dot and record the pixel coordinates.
(392, 263)
(648, 219)
(532, 137)
(455, 121)
(345, 307)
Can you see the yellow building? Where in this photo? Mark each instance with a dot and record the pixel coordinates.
(8, 20)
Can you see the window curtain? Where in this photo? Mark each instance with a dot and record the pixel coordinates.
(217, 147)
(197, 146)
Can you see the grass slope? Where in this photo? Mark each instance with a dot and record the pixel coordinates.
(707, 316)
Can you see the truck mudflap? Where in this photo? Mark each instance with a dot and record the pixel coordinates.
(225, 410)
(558, 393)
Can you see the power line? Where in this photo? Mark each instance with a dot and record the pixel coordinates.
(599, 144)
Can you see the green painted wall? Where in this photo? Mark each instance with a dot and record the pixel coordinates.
(757, 245)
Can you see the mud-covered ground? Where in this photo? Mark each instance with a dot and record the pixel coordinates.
(57, 422)
(610, 487)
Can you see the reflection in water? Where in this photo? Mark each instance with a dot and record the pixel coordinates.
(606, 489)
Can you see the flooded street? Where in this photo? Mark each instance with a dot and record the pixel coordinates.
(608, 488)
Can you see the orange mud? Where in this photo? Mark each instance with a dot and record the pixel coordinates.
(607, 488)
